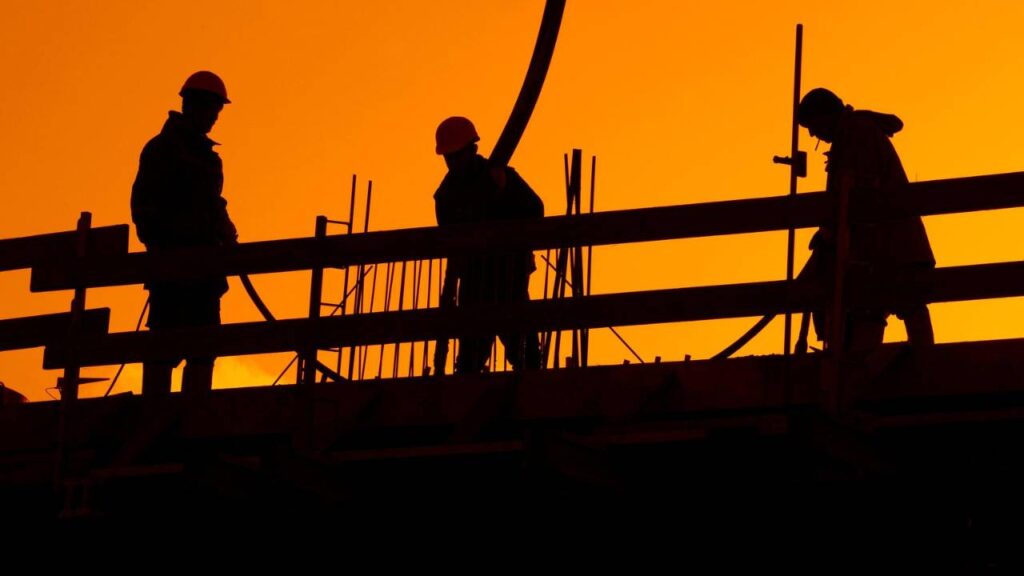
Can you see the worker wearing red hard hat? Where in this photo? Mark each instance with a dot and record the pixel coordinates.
(475, 191)
(176, 203)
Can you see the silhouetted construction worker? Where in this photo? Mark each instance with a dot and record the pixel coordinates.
(177, 203)
(474, 190)
(886, 240)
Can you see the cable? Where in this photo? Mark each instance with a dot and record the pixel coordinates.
(138, 326)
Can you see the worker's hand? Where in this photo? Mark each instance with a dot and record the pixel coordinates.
(228, 232)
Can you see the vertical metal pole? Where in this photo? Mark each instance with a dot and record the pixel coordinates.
(576, 185)
(562, 262)
(794, 173)
(453, 346)
(401, 306)
(417, 270)
(590, 260)
(344, 289)
(389, 278)
(373, 298)
(590, 249)
(546, 336)
(362, 269)
(307, 363)
(447, 341)
(430, 288)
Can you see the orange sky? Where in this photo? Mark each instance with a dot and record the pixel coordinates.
(682, 102)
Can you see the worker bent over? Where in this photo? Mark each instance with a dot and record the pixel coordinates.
(886, 239)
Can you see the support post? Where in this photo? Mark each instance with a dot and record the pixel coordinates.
(307, 362)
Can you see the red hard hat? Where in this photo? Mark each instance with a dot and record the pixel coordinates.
(207, 82)
(454, 134)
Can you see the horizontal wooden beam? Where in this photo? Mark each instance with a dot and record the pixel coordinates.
(652, 307)
(623, 394)
(970, 194)
(908, 381)
(626, 309)
(59, 247)
(603, 228)
(648, 224)
(35, 331)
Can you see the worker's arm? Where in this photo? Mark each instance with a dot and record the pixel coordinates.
(150, 192)
(226, 230)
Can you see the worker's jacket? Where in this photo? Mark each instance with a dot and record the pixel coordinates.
(884, 232)
(483, 193)
(176, 199)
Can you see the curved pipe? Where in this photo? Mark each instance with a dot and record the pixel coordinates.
(543, 50)
(255, 297)
(747, 337)
(801, 343)
(508, 141)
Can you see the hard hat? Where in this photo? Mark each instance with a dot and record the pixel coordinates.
(818, 102)
(207, 82)
(454, 134)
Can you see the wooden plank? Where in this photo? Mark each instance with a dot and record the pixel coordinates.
(626, 309)
(30, 251)
(970, 194)
(602, 228)
(34, 331)
(607, 394)
(649, 224)
(652, 307)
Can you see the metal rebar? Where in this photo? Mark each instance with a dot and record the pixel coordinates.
(401, 306)
(417, 269)
(590, 263)
(430, 287)
(561, 258)
(576, 269)
(283, 372)
(360, 357)
(389, 279)
(366, 349)
(545, 336)
(626, 344)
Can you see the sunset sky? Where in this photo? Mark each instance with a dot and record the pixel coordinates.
(682, 102)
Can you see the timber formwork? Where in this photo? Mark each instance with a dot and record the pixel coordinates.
(938, 425)
(936, 430)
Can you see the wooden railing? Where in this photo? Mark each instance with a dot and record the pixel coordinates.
(103, 260)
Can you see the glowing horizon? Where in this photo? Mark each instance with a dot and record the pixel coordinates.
(681, 102)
